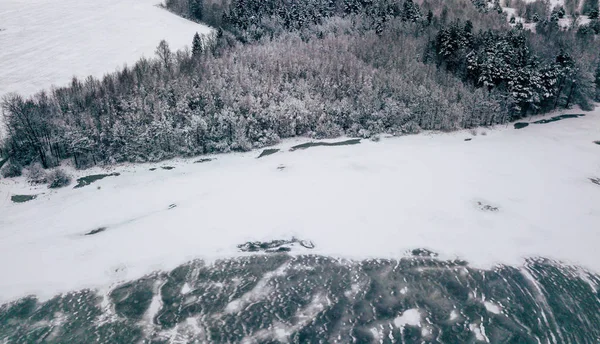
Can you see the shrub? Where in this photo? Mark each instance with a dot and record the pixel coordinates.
(36, 174)
(58, 178)
(11, 169)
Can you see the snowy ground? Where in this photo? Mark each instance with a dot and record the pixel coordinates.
(46, 43)
(564, 23)
(374, 199)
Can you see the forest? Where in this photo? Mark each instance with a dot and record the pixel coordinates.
(275, 69)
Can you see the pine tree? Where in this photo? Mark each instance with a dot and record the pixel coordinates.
(196, 9)
(589, 6)
(197, 45)
(429, 17)
(468, 26)
(410, 11)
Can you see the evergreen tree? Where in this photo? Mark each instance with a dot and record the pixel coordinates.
(589, 6)
(468, 26)
(197, 47)
(196, 9)
(411, 11)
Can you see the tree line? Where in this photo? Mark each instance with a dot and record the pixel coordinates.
(320, 68)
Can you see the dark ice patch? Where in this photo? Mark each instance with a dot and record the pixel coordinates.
(558, 118)
(321, 299)
(87, 180)
(153, 169)
(274, 245)
(316, 144)
(167, 167)
(267, 152)
(521, 125)
(203, 160)
(597, 142)
(468, 139)
(486, 207)
(423, 252)
(595, 181)
(22, 198)
(171, 206)
(131, 300)
(96, 231)
(281, 167)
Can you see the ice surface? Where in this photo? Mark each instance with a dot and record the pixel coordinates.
(374, 199)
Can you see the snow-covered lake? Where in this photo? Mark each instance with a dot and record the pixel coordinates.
(497, 198)
(46, 42)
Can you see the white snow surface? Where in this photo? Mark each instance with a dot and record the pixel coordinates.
(410, 317)
(492, 307)
(375, 199)
(46, 42)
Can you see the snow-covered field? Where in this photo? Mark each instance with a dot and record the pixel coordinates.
(374, 199)
(46, 42)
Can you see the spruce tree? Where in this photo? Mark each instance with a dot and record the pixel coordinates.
(196, 9)
(429, 17)
(197, 45)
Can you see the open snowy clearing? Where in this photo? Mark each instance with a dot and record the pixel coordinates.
(497, 198)
(46, 43)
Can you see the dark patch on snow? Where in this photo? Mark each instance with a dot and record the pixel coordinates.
(268, 152)
(521, 125)
(274, 245)
(486, 207)
(596, 142)
(280, 249)
(203, 160)
(316, 144)
(558, 118)
(96, 231)
(22, 198)
(468, 139)
(152, 169)
(595, 181)
(423, 252)
(281, 167)
(171, 206)
(167, 167)
(87, 180)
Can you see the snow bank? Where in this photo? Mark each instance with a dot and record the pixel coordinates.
(46, 43)
(374, 199)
